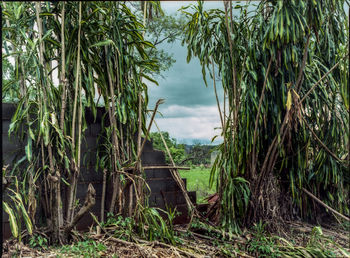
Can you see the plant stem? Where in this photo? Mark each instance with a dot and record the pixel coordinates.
(75, 165)
(216, 94)
(63, 71)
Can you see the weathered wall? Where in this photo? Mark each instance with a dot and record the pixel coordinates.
(164, 189)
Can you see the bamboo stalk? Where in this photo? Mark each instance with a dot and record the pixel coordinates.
(140, 96)
(63, 100)
(115, 145)
(63, 71)
(55, 194)
(271, 150)
(76, 166)
(139, 164)
(76, 83)
(77, 172)
(139, 147)
(131, 200)
(115, 149)
(235, 95)
(103, 198)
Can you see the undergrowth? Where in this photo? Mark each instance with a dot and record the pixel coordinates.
(262, 244)
(256, 241)
(147, 224)
(87, 248)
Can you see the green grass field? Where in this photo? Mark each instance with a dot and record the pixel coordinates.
(198, 180)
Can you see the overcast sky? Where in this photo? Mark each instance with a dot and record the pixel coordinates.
(190, 111)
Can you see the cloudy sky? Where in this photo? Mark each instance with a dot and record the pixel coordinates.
(190, 111)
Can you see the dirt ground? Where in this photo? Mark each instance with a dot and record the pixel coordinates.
(192, 245)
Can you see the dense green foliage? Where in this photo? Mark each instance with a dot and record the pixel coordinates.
(177, 151)
(182, 154)
(285, 121)
(283, 130)
(99, 51)
(200, 154)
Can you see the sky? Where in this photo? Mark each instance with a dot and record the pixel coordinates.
(190, 112)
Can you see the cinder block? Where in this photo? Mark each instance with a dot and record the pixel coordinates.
(90, 142)
(149, 173)
(158, 173)
(11, 144)
(153, 158)
(10, 157)
(8, 110)
(5, 126)
(158, 185)
(180, 198)
(193, 196)
(95, 129)
(148, 145)
(88, 158)
(159, 200)
(172, 187)
(162, 173)
(152, 200)
(6, 230)
(89, 174)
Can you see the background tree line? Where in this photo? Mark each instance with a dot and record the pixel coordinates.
(183, 154)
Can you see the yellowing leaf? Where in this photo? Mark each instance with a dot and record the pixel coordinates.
(12, 219)
(289, 100)
(53, 119)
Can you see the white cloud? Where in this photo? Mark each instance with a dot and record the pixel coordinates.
(185, 123)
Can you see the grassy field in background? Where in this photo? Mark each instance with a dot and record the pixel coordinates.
(198, 180)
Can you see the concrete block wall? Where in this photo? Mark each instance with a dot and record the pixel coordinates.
(164, 190)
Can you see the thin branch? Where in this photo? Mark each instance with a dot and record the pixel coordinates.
(319, 140)
(319, 81)
(325, 205)
(216, 94)
(159, 102)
